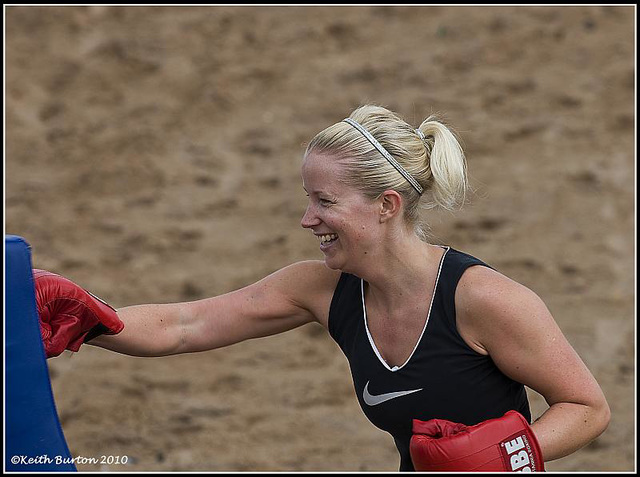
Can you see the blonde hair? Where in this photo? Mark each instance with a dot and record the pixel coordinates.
(436, 162)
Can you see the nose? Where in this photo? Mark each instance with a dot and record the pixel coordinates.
(309, 219)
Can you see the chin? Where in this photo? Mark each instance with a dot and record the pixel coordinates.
(333, 262)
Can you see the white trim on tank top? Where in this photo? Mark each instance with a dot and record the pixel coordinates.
(366, 326)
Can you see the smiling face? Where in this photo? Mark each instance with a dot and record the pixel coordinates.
(344, 220)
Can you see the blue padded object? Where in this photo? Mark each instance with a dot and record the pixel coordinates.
(32, 428)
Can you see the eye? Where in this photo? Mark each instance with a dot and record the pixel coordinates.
(326, 202)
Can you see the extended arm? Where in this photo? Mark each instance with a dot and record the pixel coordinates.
(288, 298)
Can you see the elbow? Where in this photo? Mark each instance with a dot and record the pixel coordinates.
(600, 418)
(604, 413)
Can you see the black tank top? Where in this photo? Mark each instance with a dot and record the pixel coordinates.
(443, 378)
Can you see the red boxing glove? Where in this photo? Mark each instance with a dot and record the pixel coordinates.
(70, 315)
(505, 444)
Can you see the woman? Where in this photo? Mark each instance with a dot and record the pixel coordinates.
(429, 332)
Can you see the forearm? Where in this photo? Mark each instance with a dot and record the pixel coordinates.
(566, 427)
(150, 330)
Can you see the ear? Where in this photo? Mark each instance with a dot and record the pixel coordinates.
(390, 205)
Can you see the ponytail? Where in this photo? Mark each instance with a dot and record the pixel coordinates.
(447, 164)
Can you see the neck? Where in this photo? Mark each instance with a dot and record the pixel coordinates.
(400, 269)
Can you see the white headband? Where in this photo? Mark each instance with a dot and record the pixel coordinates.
(410, 179)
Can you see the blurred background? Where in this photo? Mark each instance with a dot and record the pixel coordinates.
(153, 155)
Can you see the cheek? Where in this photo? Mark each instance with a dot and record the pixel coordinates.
(356, 223)
(358, 231)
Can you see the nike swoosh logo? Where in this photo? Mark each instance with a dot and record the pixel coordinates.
(372, 400)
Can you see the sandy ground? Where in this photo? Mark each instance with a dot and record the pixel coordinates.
(153, 153)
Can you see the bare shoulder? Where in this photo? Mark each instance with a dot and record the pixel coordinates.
(310, 284)
(489, 303)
